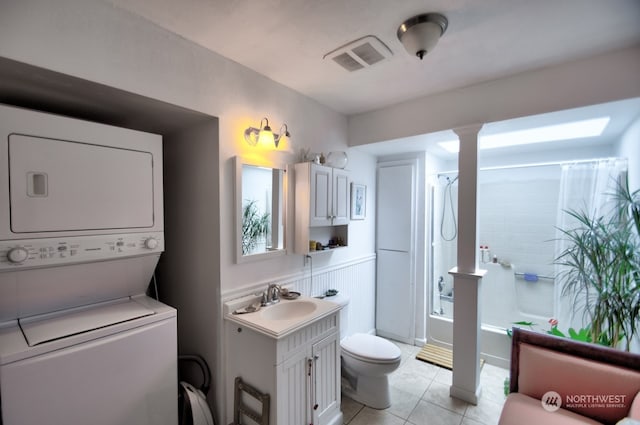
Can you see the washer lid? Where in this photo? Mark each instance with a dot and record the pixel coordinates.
(52, 326)
(370, 347)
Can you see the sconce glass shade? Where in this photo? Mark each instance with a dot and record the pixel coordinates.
(282, 139)
(251, 136)
(266, 138)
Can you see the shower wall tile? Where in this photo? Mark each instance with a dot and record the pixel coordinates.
(517, 221)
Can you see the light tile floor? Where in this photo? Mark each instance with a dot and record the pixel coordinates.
(420, 396)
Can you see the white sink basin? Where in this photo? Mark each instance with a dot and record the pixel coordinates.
(279, 320)
(289, 310)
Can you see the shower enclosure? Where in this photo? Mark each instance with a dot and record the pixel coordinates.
(519, 209)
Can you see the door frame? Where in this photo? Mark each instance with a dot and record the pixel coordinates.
(418, 307)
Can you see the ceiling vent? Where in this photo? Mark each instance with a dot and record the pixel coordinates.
(361, 53)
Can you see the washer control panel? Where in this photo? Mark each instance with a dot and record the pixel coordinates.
(27, 253)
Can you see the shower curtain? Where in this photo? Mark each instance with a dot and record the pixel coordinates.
(584, 186)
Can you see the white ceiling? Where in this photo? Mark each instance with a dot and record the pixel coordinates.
(488, 39)
(622, 114)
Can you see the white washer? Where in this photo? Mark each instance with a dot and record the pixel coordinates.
(105, 364)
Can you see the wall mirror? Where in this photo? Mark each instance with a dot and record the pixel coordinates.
(260, 210)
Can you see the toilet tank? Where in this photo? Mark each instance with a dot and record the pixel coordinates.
(343, 301)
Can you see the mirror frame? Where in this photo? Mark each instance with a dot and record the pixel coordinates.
(238, 164)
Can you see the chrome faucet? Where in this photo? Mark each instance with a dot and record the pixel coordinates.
(271, 295)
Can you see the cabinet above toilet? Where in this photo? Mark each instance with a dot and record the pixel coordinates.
(322, 202)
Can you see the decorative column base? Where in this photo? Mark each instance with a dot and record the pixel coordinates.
(466, 335)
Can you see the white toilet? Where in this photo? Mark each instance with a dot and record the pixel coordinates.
(367, 361)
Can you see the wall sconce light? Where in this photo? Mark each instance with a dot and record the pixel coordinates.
(264, 136)
(284, 134)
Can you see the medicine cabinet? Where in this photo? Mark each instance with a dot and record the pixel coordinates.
(260, 209)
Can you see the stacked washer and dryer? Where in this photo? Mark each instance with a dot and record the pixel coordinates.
(81, 232)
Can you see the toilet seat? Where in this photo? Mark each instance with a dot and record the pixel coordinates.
(370, 349)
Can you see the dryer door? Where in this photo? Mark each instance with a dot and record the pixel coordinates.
(59, 185)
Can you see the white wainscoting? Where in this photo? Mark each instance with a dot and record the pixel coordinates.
(356, 278)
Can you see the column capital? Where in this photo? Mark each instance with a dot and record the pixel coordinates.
(477, 274)
(468, 130)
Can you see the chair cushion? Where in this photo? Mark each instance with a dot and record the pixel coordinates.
(594, 389)
(520, 409)
(634, 412)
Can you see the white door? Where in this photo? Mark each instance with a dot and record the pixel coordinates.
(326, 374)
(294, 390)
(321, 196)
(395, 230)
(394, 296)
(341, 198)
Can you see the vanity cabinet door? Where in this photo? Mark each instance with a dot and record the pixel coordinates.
(294, 389)
(321, 212)
(341, 197)
(326, 376)
(329, 196)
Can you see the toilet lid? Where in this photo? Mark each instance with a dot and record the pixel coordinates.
(371, 347)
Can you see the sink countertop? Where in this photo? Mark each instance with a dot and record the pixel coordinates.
(279, 328)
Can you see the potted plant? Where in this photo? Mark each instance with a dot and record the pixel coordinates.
(255, 226)
(601, 269)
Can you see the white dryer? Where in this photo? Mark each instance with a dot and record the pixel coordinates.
(81, 232)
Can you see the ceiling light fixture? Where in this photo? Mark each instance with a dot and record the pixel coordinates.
(264, 136)
(550, 133)
(420, 34)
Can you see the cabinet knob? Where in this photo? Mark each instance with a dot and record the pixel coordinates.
(316, 357)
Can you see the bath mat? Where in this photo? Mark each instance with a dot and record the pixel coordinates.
(438, 356)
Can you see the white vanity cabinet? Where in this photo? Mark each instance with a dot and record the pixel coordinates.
(322, 201)
(300, 371)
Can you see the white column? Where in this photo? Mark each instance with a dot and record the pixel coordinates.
(466, 276)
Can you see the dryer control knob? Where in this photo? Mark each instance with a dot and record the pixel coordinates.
(151, 243)
(17, 255)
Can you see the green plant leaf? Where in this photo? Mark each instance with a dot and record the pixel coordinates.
(523, 323)
(601, 269)
(255, 226)
(555, 331)
(583, 334)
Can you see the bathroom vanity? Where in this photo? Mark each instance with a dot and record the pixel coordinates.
(291, 351)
